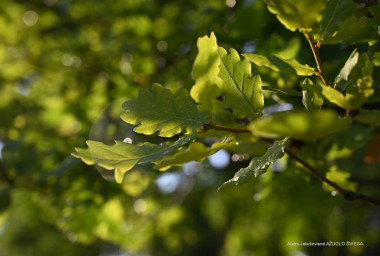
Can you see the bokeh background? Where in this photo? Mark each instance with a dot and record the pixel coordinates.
(65, 69)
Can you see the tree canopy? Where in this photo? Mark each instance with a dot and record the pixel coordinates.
(172, 104)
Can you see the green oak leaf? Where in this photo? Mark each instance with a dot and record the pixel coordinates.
(205, 73)
(300, 125)
(123, 156)
(358, 87)
(196, 151)
(342, 23)
(241, 90)
(258, 165)
(368, 117)
(159, 110)
(376, 59)
(279, 64)
(311, 97)
(295, 15)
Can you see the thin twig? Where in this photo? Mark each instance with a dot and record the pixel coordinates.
(348, 195)
(315, 50)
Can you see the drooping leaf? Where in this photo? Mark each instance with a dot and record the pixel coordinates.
(343, 23)
(311, 98)
(196, 151)
(159, 110)
(285, 91)
(358, 87)
(241, 90)
(368, 117)
(123, 156)
(258, 165)
(299, 124)
(279, 64)
(348, 67)
(297, 14)
(205, 73)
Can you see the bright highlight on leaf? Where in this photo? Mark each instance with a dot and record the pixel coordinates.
(299, 124)
(159, 110)
(241, 90)
(279, 64)
(311, 97)
(208, 84)
(295, 15)
(258, 165)
(123, 156)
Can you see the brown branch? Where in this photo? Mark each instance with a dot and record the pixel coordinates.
(315, 50)
(348, 194)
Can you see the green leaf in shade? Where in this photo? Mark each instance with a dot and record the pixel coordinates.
(205, 73)
(258, 165)
(196, 151)
(335, 12)
(241, 90)
(299, 124)
(341, 178)
(123, 156)
(279, 64)
(368, 117)
(159, 110)
(343, 23)
(285, 91)
(295, 15)
(358, 87)
(311, 98)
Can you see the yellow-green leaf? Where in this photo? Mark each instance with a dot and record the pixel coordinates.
(241, 90)
(122, 157)
(205, 73)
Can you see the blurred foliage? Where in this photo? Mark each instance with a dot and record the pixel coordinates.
(65, 68)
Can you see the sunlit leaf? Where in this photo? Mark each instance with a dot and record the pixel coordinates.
(241, 90)
(341, 178)
(279, 64)
(297, 14)
(311, 98)
(258, 165)
(299, 124)
(348, 67)
(123, 156)
(205, 73)
(358, 87)
(159, 110)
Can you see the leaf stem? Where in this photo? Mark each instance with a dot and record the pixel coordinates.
(315, 50)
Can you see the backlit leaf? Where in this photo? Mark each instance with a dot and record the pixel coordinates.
(299, 124)
(297, 14)
(341, 178)
(159, 110)
(241, 90)
(123, 156)
(279, 64)
(258, 165)
(205, 73)
(285, 91)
